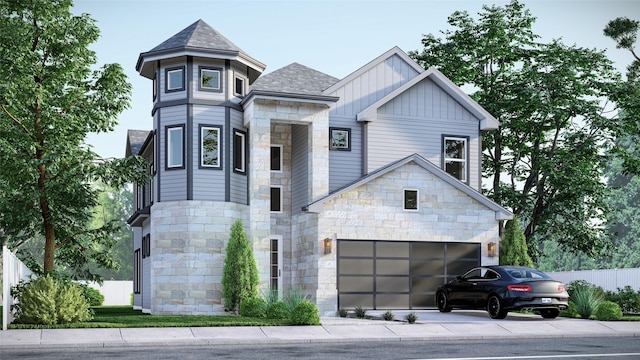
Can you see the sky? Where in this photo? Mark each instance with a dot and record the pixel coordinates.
(334, 37)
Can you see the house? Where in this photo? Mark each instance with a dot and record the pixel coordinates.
(362, 191)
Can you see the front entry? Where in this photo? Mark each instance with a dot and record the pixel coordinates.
(399, 274)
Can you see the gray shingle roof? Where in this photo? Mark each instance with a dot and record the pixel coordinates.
(294, 79)
(135, 140)
(197, 35)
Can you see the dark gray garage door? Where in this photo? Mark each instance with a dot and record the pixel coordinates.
(398, 274)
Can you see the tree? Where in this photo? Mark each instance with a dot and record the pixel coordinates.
(545, 161)
(513, 249)
(50, 99)
(240, 278)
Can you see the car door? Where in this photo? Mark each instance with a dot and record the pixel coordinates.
(462, 291)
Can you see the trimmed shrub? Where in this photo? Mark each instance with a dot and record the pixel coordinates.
(361, 312)
(411, 317)
(627, 298)
(253, 307)
(571, 311)
(343, 313)
(93, 296)
(388, 315)
(240, 273)
(305, 313)
(278, 310)
(608, 311)
(49, 300)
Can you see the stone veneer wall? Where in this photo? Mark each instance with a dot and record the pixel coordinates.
(188, 243)
(374, 211)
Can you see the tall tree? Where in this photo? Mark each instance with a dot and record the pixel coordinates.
(545, 161)
(513, 249)
(240, 277)
(51, 97)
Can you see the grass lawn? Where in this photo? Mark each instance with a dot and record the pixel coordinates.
(126, 317)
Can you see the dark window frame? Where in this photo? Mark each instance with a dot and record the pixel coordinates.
(137, 271)
(243, 147)
(243, 81)
(166, 79)
(220, 78)
(167, 130)
(280, 199)
(417, 200)
(332, 145)
(201, 128)
(281, 161)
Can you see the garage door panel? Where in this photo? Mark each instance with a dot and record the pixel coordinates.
(459, 267)
(456, 251)
(392, 284)
(392, 301)
(350, 301)
(427, 250)
(356, 266)
(423, 267)
(355, 248)
(423, 300)
(392, 267)
(397, 249)
(429, 283)
(356, 283)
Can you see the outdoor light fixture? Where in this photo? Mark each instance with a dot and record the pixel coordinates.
(491, 249)
(327, 246)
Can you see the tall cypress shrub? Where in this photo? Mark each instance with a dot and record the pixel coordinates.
(513, 250)
(240, 278)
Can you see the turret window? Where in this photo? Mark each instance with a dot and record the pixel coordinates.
(210, 79)
(210, 147)
(175, 147)
(175, 79)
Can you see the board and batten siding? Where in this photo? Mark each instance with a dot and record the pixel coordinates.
(173, 183)
(372, 86)
(238, 185)
(208, 183)
(300, 167)
(346, 166)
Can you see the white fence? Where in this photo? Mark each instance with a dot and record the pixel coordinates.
(609, 280)
(13, 270)
(115, 292)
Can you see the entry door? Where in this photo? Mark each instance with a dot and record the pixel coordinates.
(275, 275)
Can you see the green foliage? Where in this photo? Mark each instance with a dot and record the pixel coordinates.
(585, 297)
(539, 163)
(361, 312)
(305, 313)
(278, 310)
(513, 249)
(253, 307)
(294, 296)
(627, 299)
(93, 296)
(411, 317)
(343, 312)
(49, 300)
(51, 97)
(240, 274)
(388, 315)
(570, 311)
(608, 311)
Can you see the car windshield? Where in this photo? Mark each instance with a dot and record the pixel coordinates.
(523, 273)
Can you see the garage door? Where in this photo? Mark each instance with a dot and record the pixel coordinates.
(398, 274)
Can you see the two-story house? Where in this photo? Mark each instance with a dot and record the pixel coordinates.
(362, 191)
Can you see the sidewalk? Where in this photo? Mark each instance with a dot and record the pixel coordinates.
(431, 325)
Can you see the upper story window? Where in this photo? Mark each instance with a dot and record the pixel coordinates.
(410, 199)
(239, 151)
(238, 86)
(155, 87)
(276, 199)
(455, 157)
(174, 79)
(339, 139)
(175, 146)
(210, 146)
(210, 79)
(276, 158)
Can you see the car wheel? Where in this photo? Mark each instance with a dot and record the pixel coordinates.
(549, 313)
(495, 309)
(443, 302)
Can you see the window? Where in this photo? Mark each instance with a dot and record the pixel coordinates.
(155, 87)
(238, 87)
(210, 146)
(276, 158)
(411, 199)
(175, 147)
(239, 151)
(146, 246)
(175, 79)
(276, 199)
(455, 157)
(340, 139)
(137, 271)
(210, 79)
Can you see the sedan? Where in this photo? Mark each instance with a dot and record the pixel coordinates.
(500, 289)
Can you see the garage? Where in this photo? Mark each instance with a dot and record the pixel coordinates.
(377, 274)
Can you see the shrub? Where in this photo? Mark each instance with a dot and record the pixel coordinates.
(277, 310)
(411, 317)
(293, 297)
(586, 299)
(253, 307)
(93, 296)
(361, 312)
(343, 312)
(571, 311)
(49, 300)
(608, 311)
(305, 313)
(627, 299)
(240, 273)
(388, 315)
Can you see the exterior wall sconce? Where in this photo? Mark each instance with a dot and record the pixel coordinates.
(491, 249)
(327, 246)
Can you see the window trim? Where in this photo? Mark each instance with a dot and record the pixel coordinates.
(168, 130)
(201, 86)
(281, 159)
(166, 79)
(271, 197)
(237, 77)
(332, 146)
(155, 86)
(404, 199)
(465, 161)
(243, 134)
(202, 128)
(137, 271)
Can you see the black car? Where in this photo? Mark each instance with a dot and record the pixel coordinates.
(500, 289)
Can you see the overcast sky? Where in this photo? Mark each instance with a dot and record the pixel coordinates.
(335, 37)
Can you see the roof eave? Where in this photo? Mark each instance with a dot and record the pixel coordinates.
(274, 95)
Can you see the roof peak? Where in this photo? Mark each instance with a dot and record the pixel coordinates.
(197, 35)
